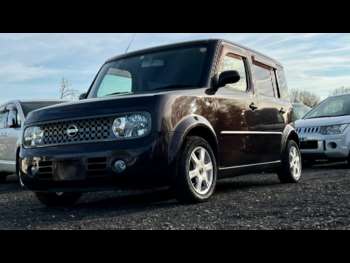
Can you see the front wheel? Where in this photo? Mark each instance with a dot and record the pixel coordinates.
(196, 171)
(57, 198)
(290, 171)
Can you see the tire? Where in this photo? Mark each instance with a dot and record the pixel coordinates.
(203, 171)
(288, 173)
(57, 199)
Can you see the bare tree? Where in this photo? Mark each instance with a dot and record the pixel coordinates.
(308, 98)
(340, 91)
(66, 92)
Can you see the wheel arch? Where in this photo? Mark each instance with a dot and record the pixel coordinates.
(289, 134)
(193, 125)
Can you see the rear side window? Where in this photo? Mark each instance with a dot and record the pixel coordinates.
(234, 62)
(265, 80)
(282, 84)
(3, 119)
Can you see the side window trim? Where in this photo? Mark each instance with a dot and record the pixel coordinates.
(230, 52)
(272, 71)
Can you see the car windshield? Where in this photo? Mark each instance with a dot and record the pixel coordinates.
(176, 68)
(300, 110)
(331, 107)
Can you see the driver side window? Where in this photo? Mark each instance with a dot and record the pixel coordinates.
(115, 81)
(3, 119)
(235, 62)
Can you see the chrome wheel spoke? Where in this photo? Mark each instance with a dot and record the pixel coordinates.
(193, 174)
(194, 158)
(201, 170)
(295, 163)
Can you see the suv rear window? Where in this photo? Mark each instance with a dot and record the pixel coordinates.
(265, 80)
(282, 84)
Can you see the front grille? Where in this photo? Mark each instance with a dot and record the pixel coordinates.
(309, 145)
(96, 166)
(45, 170)
(94, 129)
(308, 130)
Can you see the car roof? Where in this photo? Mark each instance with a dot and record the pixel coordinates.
(215, 41)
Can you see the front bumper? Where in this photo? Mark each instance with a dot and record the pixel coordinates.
(89, 167)
(318, 146)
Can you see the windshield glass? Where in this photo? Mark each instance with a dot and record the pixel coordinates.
(170, 69)
(331, 107)
(300, 110)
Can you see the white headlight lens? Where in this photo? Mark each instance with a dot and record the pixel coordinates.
(333, 129)
(132, 125)
(33, 136)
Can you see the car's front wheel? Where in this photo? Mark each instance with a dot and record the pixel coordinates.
(290, 171)
(196, 171)
(54, 199)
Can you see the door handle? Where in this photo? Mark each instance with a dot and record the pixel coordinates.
(282, 111)
(252, 106)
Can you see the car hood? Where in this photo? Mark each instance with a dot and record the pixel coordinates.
(94, 107)
(304, 123)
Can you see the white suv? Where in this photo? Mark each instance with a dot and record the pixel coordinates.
(12, 115)
(324, 132)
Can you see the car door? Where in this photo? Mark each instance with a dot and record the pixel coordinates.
(270, 113)
(3, 120)
(233, 111)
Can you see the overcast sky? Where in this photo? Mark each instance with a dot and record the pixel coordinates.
(32, 65)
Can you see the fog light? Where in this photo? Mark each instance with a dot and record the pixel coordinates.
(119, 166)
(34, 169)
(332, 145)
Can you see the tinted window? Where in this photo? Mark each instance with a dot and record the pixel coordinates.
(282, 84)
(3, 119)
(185, 67)
(233, 62)
(264, 80)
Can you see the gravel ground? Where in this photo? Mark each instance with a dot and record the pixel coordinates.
(320, 201)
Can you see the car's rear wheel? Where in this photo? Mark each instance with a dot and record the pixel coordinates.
(196, 171)
(290, 171)
(54, 199)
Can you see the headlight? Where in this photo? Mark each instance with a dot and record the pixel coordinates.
(133, 125)
(333, 129)
(33, 136)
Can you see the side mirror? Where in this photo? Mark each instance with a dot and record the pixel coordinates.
(226, 77)
(83, 96)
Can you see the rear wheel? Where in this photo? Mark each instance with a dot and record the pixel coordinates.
(290, 171)
(58, 198)
(196, 171)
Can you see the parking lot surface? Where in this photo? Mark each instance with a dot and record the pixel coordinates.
(320, 201)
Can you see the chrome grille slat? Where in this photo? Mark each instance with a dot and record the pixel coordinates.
(308, 130)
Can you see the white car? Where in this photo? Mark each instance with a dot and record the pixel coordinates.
(12, 116)
(324, 131)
